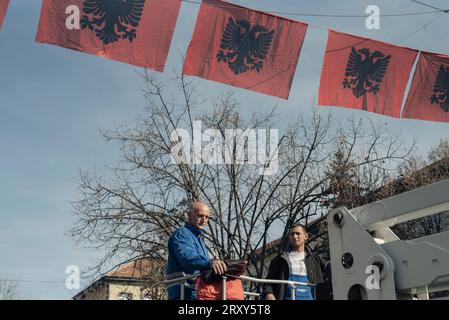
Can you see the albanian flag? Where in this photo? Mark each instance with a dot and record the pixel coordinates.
(137, 32)
(3, 8)
(245, 48)
(365, 74)
(428, 98)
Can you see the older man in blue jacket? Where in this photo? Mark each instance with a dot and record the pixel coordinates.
(187, 252)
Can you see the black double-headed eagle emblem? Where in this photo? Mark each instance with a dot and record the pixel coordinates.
(112, 20)
(244, 47)
(365, 71)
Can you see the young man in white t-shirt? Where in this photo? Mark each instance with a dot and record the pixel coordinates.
(298, 264)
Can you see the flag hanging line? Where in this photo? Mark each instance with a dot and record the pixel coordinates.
(430, 6)
(422, 27)
(334, 15)
(4, 5)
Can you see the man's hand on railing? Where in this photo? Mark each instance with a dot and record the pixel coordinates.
(270, 296)
(219, 267)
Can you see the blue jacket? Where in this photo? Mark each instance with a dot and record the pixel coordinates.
(186, 253)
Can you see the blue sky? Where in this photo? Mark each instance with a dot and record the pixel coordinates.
(54, 102)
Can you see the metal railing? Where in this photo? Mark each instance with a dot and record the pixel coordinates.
(181, 278)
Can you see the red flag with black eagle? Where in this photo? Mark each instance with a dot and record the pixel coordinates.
(365, 74)
(245, 48)
(428, 98)
(3, 9)
(137, 32)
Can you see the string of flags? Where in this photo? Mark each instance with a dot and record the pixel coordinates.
(251, 49)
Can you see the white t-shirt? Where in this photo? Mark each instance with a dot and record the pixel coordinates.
(297, 263)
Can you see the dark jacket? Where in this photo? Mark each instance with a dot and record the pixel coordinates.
(186, 253)
(280, 270)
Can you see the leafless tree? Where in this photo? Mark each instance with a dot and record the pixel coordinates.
(9, 290)
(133, 213)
